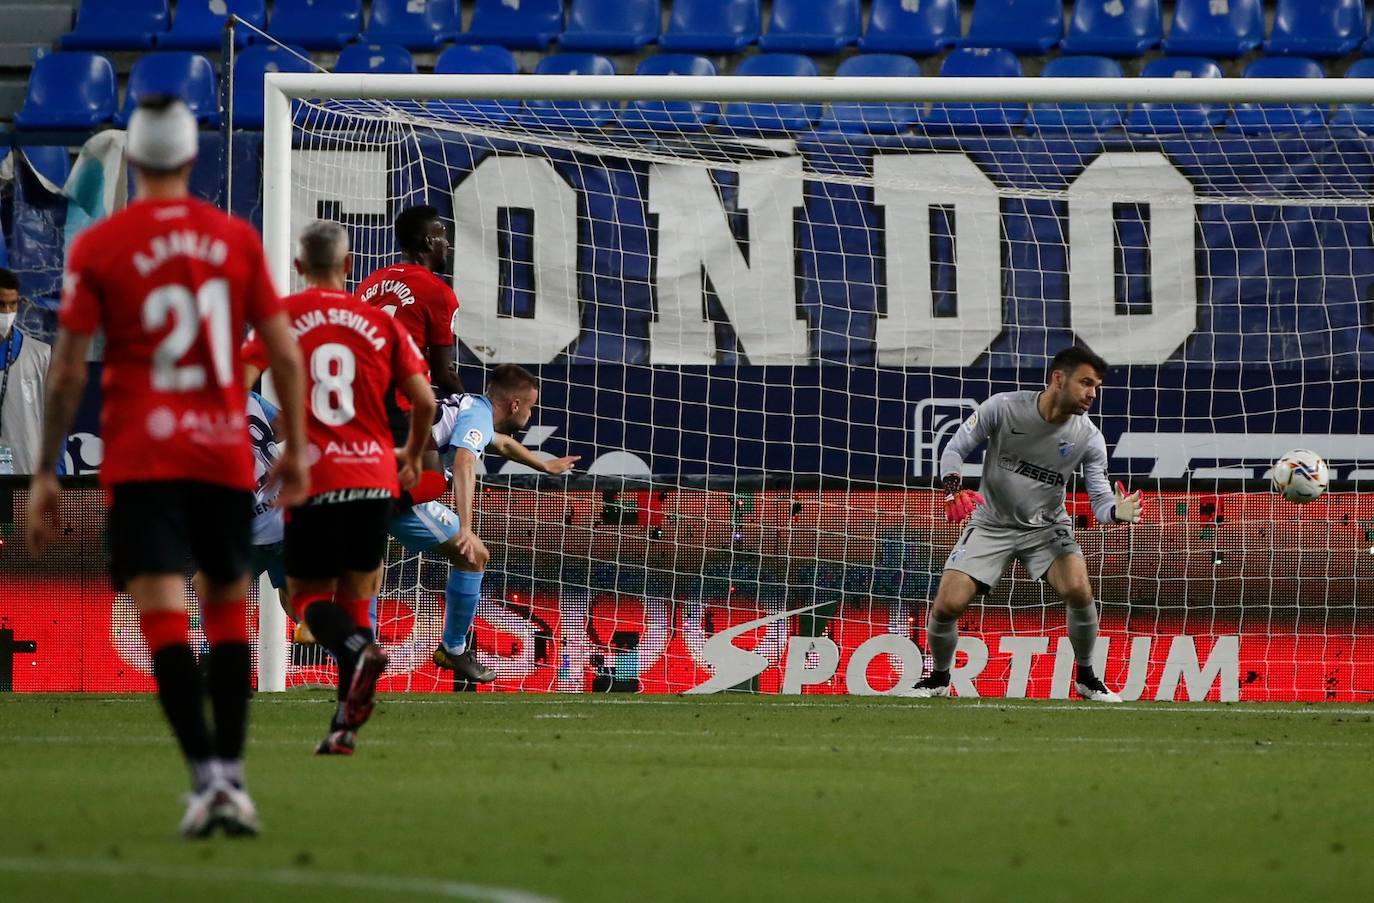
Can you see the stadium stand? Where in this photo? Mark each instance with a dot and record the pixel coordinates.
(199, 24)
(118, 25)
(1063, 118)
(1316, 28)
(415, 26)
(611, 26)
(375, 58)
(571, 113)
(533, 25)
(1114, 27)
(1164, 118)
(180, 72)
(51, 161)
(750, 119)
(249, 67)
(874, 118)
(316, 24)
(1022, 26)
(981, 117)
(1356, 115)
(895, 26)
(482, 59)
(1204, 28)
(812, 26)
(1266, 119)
(69, 90)
(711, 26)
(663, 116)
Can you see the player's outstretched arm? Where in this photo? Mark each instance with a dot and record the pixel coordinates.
(512, 450)
(409, 459)
(1111, 505)
(284, 360)
(66, 384)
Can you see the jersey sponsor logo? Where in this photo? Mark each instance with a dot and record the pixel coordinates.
(1025, 468)
(1016, 432)
(370, 450)
(161, 423)
(339, 496)
(199, 426)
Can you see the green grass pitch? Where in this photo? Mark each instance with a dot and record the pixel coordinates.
(526, 798)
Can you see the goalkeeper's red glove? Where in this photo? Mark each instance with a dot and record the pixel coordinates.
(959, 503)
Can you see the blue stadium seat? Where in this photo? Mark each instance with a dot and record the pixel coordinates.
(1022, 26)
(1060, 118)
(199, 24)
(117, 25)
(375, 58)
(1206, 28)
(413, 24)
(894, 26)
(711, 26)
(611, 26)
(980, 62)
(812, 26)
(1356, 115)
(178, 72)
(476, 59)
(532, 25)
(1172, 119)
(674, 116)
(69, 89)
(1114, 27)
(317, 24)
(52, 161)
(773, 118)
(1268, 118)
(571, 113)
(249, 68)
(1316, 28)
(874, 118)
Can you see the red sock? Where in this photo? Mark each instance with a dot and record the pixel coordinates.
(301, 601)
(226, 622)
(357, 610)
(163, 629)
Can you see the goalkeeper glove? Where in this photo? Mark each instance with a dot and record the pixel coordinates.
(959, 503)
(1128, 507)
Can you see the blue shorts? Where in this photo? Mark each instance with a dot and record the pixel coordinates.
(425, 527)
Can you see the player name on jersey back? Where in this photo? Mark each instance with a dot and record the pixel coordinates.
(335, 316)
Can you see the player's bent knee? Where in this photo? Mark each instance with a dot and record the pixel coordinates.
(956, 592)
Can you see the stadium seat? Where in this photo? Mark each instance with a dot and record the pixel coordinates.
(1114, 27)
(476, 59)
(117, 25)
(812, 26)
(672, 116)
(981, 62)
(531, 25)
(1206, 28)
(178, 72)
(249, 68)
(1268, 118)
(711, 26)
(611, 26)
(574, 113)
(316, 24)
(52, 161)
(899, 26)
(422, 25)
(874, 118)
(69, 89)
(375, 58)
(772, 118)
(1316, 28)
(1021, 26)
(1356, 115)
(1168, 118)
(1051, 118)
(199, 24)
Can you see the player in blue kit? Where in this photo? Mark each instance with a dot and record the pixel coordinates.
(466, 427)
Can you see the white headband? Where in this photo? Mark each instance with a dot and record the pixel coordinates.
(163, 139)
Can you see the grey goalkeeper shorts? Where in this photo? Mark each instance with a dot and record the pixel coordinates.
(984, 552)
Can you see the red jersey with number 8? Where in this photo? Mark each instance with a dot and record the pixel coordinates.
(171, 283)
(353, 355)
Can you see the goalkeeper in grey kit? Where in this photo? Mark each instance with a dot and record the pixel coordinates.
(1036, 440)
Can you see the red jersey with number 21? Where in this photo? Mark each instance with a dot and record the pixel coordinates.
(171, 283)
(353, 355)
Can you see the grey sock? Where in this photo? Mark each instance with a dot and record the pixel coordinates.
(943, 639)
(1083, 633)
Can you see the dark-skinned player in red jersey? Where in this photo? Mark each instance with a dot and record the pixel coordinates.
(354, 355)
(172, 281)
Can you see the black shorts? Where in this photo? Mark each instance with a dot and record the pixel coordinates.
(172, 526)
(336, 532)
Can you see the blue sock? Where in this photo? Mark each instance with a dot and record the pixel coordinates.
(460, 607)
(372, 614)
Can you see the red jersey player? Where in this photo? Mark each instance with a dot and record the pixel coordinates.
(171, 281)
(335, 541)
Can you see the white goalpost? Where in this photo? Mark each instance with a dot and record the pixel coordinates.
(759, 307)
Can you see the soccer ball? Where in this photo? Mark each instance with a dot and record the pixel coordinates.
(1301, 475)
